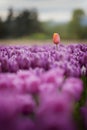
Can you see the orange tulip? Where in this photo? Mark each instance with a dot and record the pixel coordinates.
(56, 38)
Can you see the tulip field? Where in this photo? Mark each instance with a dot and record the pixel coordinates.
(43, 87)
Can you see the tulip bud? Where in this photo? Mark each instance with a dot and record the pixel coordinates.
(56, 38)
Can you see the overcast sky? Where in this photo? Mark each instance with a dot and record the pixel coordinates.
(57, 10)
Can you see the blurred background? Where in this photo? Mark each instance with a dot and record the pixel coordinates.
(39, 19)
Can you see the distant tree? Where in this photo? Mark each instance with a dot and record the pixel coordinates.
(10, 15)
(75, 28)
(78, 14)
(9, 22)
(24, 23)
(2, 29)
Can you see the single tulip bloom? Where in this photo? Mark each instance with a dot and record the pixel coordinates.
(56, 38)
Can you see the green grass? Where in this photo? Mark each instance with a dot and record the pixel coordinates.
(37, 36)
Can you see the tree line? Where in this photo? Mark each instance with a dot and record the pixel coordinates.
(24, 23)
(76, 27)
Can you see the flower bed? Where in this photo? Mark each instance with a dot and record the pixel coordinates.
(43, 87)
